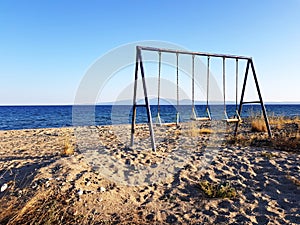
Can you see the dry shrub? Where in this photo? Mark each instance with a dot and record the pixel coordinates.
(8, 208)
(68, 148)
(54, 206)
(280, 121)
(45, 207)
(258, 125)
(286, 137)
(206, 131)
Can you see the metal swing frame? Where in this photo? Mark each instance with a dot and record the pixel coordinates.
(139, 67)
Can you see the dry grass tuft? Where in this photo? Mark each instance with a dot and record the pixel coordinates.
(258, 125)
(223, 190)
(53, 206)
(280, 121)
(45, 207)
(206, 131)
(285, 130)
(68, 148)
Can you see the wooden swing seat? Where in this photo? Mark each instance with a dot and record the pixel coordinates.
(200, 118)
(232, 120)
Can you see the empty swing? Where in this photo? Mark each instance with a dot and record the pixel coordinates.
(177, 89)
(158, 118)
(236, 118)
(194, 114)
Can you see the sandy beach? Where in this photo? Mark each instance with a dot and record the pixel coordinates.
(105, 182)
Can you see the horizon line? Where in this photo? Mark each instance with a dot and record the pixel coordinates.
(110, 103)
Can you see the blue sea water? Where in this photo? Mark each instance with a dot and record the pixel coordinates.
(28, 117)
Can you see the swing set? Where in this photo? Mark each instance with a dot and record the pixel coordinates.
(238, 107)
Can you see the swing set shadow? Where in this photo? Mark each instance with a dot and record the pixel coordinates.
(237, 117)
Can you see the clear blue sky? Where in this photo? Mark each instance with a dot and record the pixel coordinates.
(47, 46)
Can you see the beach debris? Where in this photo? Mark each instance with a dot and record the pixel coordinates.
(80, 192)
(4, 187)
(47, 184)
(102, 189)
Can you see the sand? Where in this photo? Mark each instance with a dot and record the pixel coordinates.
(106, 182)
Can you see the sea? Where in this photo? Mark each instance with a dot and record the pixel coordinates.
(31, 117)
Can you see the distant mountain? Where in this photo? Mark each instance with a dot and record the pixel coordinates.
(153, 101)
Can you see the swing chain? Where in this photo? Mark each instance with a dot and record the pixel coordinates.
(207, 82)
(177, 78)
(193, 81)
(158, 85)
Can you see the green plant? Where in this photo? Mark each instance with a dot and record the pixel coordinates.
(214, 190)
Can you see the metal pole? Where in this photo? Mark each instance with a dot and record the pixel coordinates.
(207, 87)
(242, 95)
(177, 82)
(192, 53)
(147, 103)
(193, 80)
(224, 89)
(236, 82)
(134, 98)
(158, 84)
(261, 100)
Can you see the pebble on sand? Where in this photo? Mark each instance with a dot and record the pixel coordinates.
(4, 187)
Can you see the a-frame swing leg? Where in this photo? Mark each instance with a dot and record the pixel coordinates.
(133, 118)
(261, 100)
(250, 62)
(139, 63)
(242, 96)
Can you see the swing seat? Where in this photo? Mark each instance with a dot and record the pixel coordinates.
(232, 120)
(200, 118)
(236, 119)
(205, 118)
(159, 123)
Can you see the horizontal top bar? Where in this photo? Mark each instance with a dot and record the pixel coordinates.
(192, 53)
